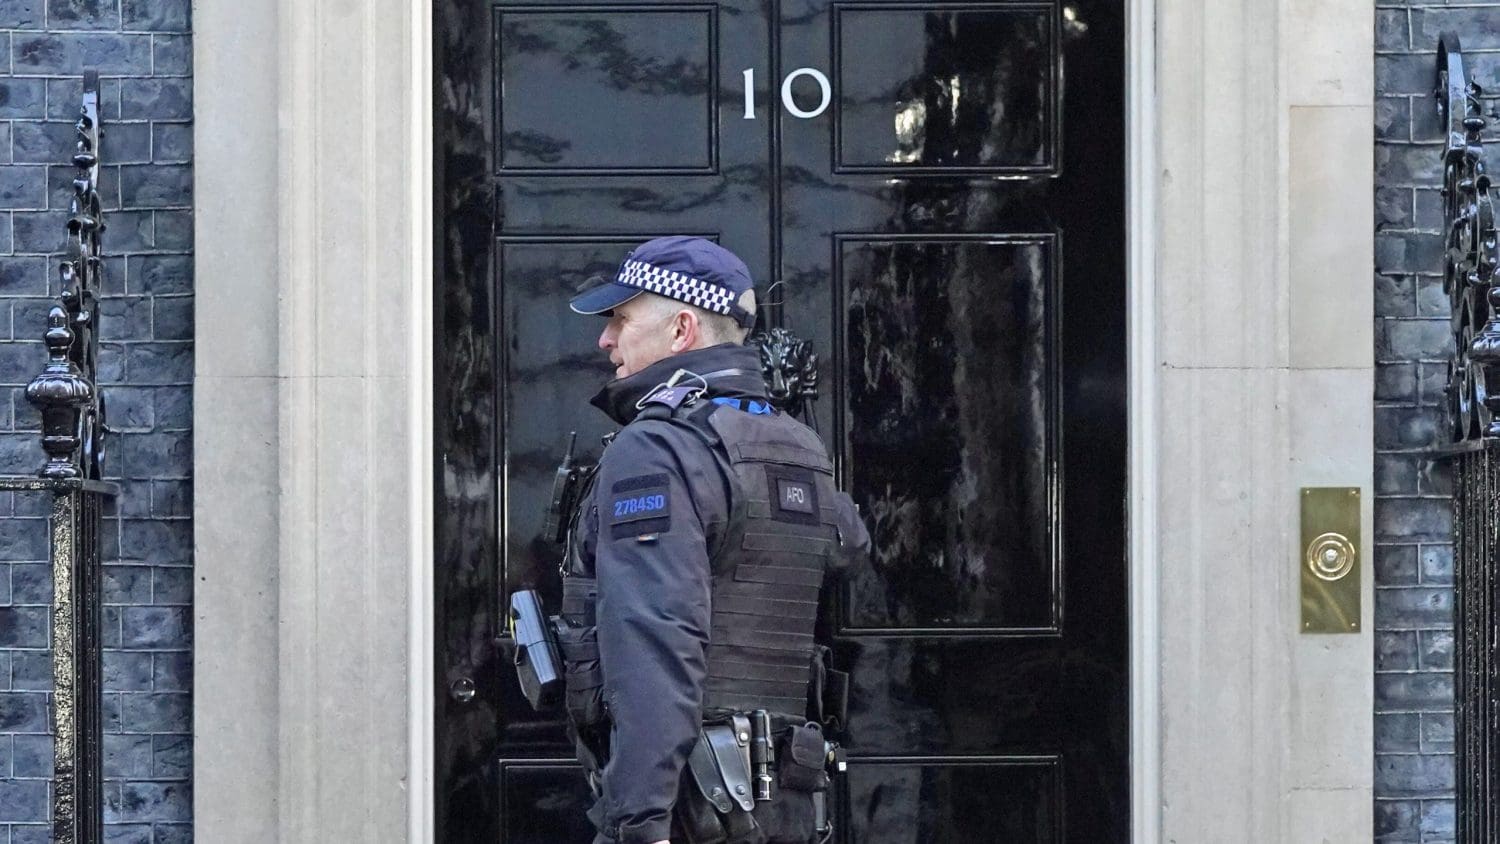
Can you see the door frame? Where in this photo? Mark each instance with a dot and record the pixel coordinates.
(1141, 406)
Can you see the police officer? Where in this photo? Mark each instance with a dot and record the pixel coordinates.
(693, 565)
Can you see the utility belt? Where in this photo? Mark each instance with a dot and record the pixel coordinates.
(748, 778)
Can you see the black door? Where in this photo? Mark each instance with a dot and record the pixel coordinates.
(940, 188)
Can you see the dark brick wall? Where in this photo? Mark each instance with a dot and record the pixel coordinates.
(144, 52)
(1414, 764)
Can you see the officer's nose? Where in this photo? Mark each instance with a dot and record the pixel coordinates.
(606, 342)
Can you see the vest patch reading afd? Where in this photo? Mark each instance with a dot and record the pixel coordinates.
(639, 505)
(794, 494)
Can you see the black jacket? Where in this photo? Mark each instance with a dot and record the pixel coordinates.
(660, 500)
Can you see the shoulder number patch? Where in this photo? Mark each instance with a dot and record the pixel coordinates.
(640, 505)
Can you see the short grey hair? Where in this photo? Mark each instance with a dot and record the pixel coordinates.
(717, 328)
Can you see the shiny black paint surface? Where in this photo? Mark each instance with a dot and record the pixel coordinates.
(951, 237)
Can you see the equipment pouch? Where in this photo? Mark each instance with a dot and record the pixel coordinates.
(801, 760)
(714, 808)
(828, 691)
(584, 682)
(536, 650)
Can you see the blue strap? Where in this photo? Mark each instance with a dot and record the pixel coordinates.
(755, 407)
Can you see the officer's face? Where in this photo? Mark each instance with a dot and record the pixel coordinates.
(637, 335)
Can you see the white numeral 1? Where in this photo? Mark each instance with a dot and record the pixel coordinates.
(749, 93)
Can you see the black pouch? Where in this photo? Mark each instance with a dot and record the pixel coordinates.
(827, 691)
(583, 682)
(712, 800)
(800, 762)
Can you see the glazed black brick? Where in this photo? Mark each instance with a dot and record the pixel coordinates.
(22, 14)
(22, 187)
(174, 408)
(174, 233)
(1412, 339)
(171, 586)
(32, 756)
(1437, 732)
(154, 801)
(160, 363)
(172, 671)
(24, 712)
(127, 755)
(1413, 607)
(1395, 294)
(156, 99)
(1437, 820)
(31, 671)
(83, 14)
(23, 276)
(131, 409)
(31, 584)
(65, 53)
(160, 273)
(1412, 775)
(172, 55)
(1396, 820)
(1393, 119)
(23, 800)
(1398, 733)
(1436, 563)
(1391, 31)
(1395, 650)
(1480, 26)
(128, 670)
(1396, 382)
(1436, 648)
(172, 143)
(23, 539)
(155, 628)
(155, 185)
(172, 317)
(167, 454)
(1417, 164)
(1394, 210)
(155, 712)
(127, 584)
(157, 15)
(1408, 253)
(1413, 692)
(160, 543)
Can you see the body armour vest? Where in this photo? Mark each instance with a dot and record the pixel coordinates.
(767, 567)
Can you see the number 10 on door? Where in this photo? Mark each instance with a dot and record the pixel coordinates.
(824, 88)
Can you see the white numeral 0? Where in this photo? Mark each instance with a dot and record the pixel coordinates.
(786, 93)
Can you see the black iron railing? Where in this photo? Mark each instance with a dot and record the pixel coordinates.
(72, 410)
(1473, 398)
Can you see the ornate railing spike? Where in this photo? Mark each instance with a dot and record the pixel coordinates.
(1470, 253)
(1473, 447)
(72, 410)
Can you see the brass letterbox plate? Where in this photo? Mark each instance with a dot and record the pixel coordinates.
(1328, 559)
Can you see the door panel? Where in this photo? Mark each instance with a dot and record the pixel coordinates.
(948, 229)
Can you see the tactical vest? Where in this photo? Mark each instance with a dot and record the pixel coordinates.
(767, 567)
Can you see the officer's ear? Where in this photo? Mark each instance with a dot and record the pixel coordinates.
(685, 330)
